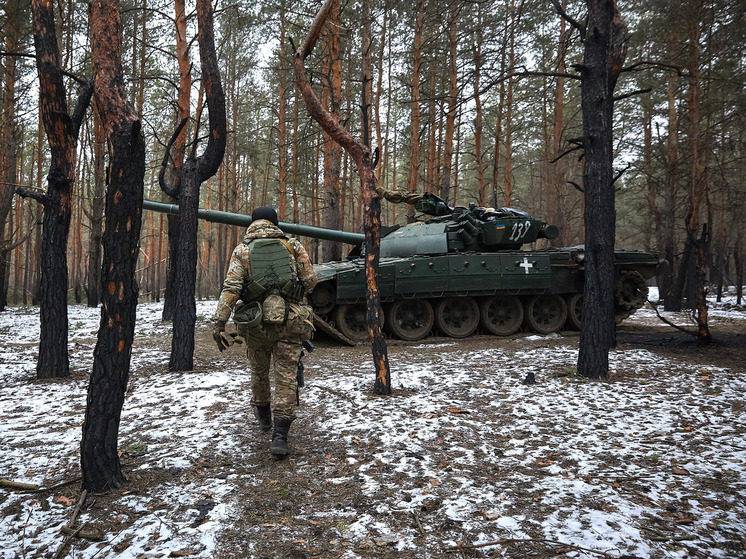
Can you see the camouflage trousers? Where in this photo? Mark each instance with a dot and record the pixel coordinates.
(278, 348)
(286, 354)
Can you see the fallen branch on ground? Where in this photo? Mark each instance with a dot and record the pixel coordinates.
(461, 546)
(32, 488)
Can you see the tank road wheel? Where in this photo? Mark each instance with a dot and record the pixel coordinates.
(457, 317)
(502, 315)
(323, 298)
(546, 313)
(410, 319)
(574, 310)
(352, 322)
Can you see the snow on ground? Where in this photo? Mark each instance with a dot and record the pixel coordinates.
(651, 463)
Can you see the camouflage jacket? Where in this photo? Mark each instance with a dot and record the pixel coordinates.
(239, 269)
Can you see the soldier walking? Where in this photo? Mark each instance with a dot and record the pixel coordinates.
(268, 278)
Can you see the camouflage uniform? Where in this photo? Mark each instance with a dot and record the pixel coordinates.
(281, 341)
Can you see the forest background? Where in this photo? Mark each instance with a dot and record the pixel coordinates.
(475, 101)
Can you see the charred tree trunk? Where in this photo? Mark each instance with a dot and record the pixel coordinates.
(365, 163)
(605, 50)
(195, 172)
(179, 148)
(111, 358)
(62, 133)
(96, 217)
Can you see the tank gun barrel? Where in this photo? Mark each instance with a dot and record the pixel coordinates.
(241, 220)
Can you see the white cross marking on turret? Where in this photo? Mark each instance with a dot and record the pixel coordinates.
(526, 265)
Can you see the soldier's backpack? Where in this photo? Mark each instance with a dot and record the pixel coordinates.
(272, 271)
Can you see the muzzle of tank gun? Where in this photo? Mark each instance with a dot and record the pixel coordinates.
(548, 232)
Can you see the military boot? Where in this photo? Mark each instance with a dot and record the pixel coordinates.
(280, 437)
(263, 415)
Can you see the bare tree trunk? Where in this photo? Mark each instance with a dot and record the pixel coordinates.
(478, 39)
(282, 170)
(179, 148)
(15, 12)
(111, 358)
(294, 158)
(666, 280)
(508, 176)
(558, 175)
(363, 159)
(62, 132)
(445, 178)
(432, 181)
(498, 124)
(604, 54)
(194, 173)
(414, 142)
(698, 178)
(331, 214)
(96, 216)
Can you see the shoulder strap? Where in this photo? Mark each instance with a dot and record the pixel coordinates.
(287, 245)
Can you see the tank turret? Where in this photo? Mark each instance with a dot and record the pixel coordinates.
(460, 270)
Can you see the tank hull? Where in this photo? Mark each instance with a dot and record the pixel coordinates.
(476, 286)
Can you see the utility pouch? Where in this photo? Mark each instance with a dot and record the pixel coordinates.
(293, 291)
(248, 314)
(252, 291)
(274, 309)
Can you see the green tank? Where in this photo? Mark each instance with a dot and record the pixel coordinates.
(459, 271)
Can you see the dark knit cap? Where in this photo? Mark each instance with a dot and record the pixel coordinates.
(264, 212)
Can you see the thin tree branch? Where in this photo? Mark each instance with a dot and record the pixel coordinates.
(564, 15)
(82, 106)
(33, 193)
(313, 33)
(172, 192)
(81, 81)
(665, 320)
(620, 173)
(565, 153)
(645, 64)
(632, 93)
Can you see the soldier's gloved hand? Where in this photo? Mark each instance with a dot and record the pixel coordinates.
(218, 334)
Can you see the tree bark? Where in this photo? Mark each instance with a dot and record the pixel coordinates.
(179, 149)
(666, 280)
(96, 217)
(196, 170)
(62, 134)
(478, 40)
(605, 50)
(331, 214)
(282, 155)
(362, 156)
(558, 170)
(414, 142)
(14, 17)
(111, 357)
(445, 178)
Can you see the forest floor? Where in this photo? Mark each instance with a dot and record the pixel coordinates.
(463, 460)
